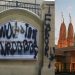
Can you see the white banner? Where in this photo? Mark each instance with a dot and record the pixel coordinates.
(18, 40)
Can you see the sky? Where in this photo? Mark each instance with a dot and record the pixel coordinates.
(65, 6)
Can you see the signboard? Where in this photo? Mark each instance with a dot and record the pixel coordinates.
(18, 40)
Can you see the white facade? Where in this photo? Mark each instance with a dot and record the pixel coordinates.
(30, 67)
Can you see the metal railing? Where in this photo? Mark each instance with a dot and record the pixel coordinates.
(15, 4)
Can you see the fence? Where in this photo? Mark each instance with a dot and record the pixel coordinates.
(15, 4)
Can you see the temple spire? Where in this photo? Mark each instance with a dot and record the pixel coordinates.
(70, 37)
(62, 42)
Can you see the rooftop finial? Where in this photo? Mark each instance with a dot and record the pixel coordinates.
(70, 17)
(62, 17)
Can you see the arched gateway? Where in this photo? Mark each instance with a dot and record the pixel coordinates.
(21, 41)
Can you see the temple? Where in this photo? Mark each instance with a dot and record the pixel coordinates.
(66, 39)
(65, 49)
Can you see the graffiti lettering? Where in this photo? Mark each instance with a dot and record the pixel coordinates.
(10, 43)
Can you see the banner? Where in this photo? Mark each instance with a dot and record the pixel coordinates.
(18, 40)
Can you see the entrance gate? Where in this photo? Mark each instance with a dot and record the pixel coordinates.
(21, 42)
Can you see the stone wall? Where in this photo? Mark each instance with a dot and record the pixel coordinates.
(45, 10)
(30, 67)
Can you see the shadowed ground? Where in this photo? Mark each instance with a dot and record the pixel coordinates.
(65, 73)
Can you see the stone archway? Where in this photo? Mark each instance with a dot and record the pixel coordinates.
(22, 15)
